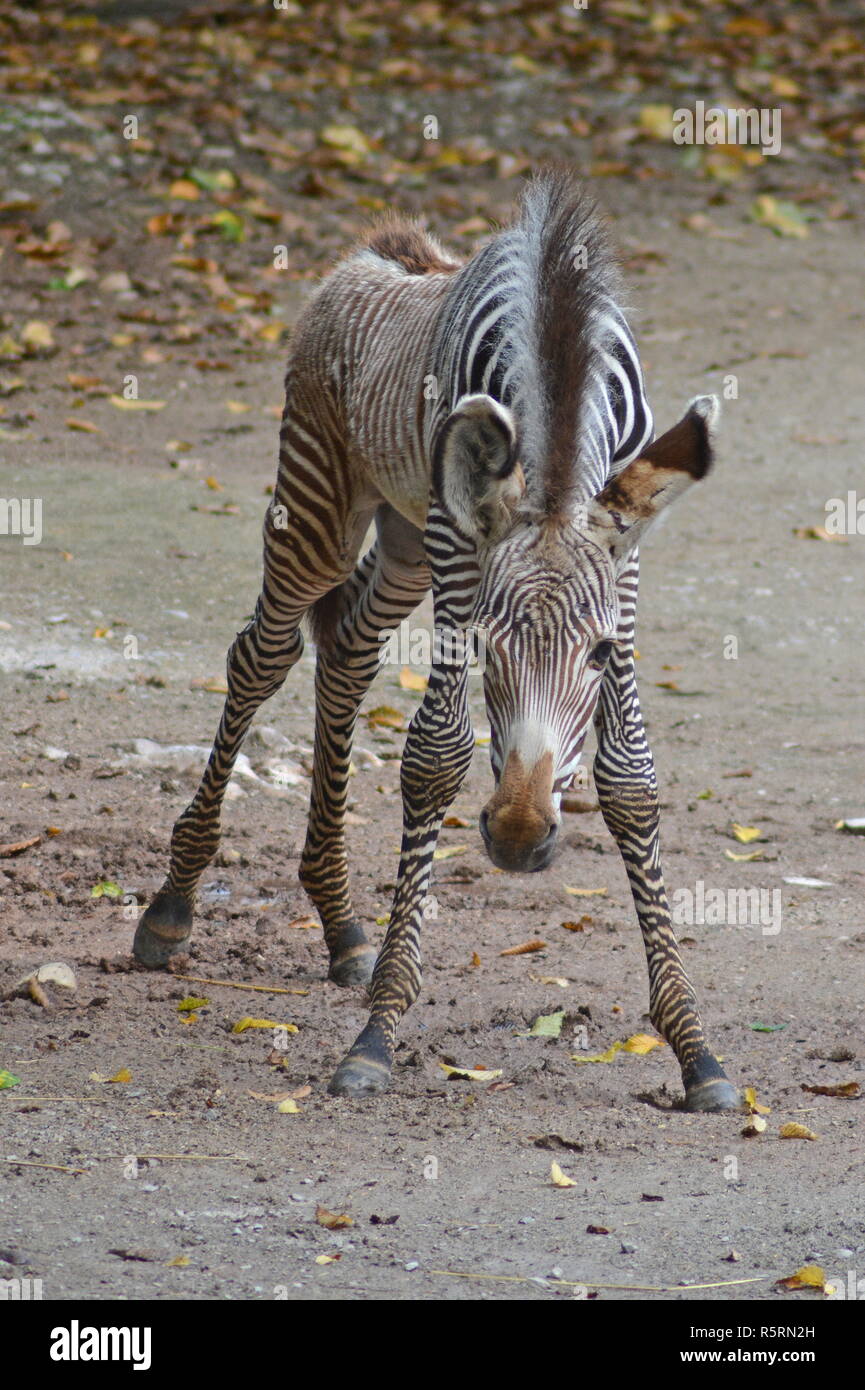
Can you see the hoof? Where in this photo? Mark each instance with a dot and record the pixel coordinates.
(359, 1077)
(163, 930)
(715, 1094)
(355, 967)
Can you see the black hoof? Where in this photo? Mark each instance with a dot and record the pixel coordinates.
(354, 967)
(163, 930)
(715, 1094)
(359, 1077)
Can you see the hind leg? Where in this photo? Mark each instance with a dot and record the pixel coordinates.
(385, 588)
(312, 534)
(259, 660)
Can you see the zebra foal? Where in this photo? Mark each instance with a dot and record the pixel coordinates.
(490, 417)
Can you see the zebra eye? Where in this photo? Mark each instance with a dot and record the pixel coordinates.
(601, 655)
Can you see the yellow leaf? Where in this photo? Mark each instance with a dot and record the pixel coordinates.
(464, 1074)
(793, 1131)
(743, 858)
(190, 1003)
(580, 1057)
(784, 218)
(450, 852)
(749, 1096)
(332, 1220)
(179, 1262)
(185, 189)
(585, 892)
(345, 137)
(244, 1023)
(214, 486)
(559, 1178)
(326, 1259)
(755, 1125)
(237, 407)
(288, 1107)
(657, 121)
(808, 1277)
(641, 1043)
(121, 403)
(85, 426)
(412, 680)
(37, 335)
(746, 834)
(385, 717)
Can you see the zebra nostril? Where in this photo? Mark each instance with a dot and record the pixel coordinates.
(484, 826)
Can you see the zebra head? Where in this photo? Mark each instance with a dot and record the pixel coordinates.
(548, 602)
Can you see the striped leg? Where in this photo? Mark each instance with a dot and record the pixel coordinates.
(312, 534)
(258, 662)
(628, 795)
(436, 758)
(385, 588)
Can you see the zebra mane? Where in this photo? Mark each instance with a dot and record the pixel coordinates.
(570, 275)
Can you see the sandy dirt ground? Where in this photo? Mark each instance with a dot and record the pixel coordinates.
(185, 1181)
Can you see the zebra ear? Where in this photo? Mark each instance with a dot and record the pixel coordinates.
(475, 470)
(664, 470)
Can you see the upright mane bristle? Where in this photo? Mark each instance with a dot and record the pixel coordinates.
(575, 271)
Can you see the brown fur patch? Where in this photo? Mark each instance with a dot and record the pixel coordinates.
(685, 447)
(632, 491)
(409, 246)
(521, 808)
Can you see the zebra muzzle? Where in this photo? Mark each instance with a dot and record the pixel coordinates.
(519, 824)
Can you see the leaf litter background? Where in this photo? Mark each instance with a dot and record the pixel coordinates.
(155, 257)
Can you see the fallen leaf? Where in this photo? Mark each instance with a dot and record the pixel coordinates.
(558, 1178)
(412, 680)
(331, 1220)
(450, 852)
(585, 892)
(179, 1262)
(845, 1089)
(121, 403)
(791, 1130)
(547, 1025)
(608, 1056)
(466, 1074)
(597, 1230)
(328, 1259)
(83, 426)
(288, 1107)
(37, 336)
(385, 717)
(641, 1043)
(786, 219)
(525, 949)
(745, 834)
(106, 888)
(244, 1023)
(7, 1081)
(19, 846)
(584, 922)
(808, 1277)
(816, 533)
(756, 1125)
(189, 1004)
(749, 1095)
(743, 858)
